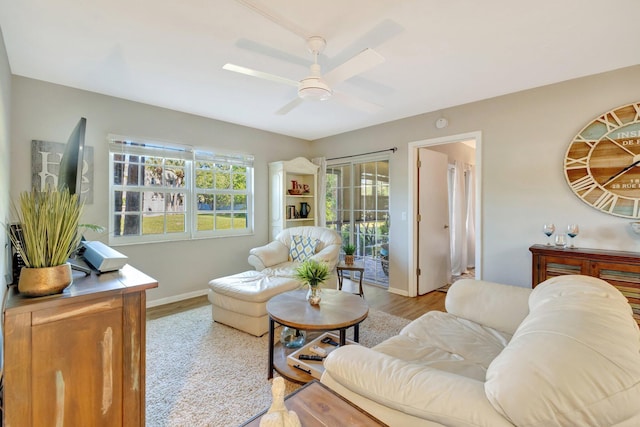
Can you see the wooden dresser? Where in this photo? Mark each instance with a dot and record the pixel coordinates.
(77, 358)
(621, 269)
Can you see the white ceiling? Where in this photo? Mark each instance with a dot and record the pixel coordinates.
(439, 53)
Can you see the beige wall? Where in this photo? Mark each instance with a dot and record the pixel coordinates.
(524, 139)
(49, 112)
(5, 157)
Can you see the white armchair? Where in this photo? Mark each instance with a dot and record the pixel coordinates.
(274, 258)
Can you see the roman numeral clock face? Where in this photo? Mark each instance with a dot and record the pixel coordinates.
(602, 164)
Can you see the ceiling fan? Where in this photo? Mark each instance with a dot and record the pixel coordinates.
(316, 86)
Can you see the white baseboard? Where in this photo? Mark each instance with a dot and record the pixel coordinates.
(398, 292)
(176, 298)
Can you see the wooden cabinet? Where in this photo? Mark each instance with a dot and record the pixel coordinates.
(300, 177)
(621, 269)
(78, 358)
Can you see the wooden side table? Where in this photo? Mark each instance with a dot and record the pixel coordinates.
(318, 405)
(337, 312)
(356, 266)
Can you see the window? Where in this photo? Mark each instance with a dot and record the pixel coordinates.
(162, 192)
(358, 208)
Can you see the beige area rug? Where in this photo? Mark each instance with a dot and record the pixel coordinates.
(202, 373)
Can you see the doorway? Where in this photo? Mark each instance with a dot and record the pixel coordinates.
(426, 260)
(357, 208)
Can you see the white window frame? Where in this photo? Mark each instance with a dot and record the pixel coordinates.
(140, 147)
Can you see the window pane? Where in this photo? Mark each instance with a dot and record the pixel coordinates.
(175, 202)
(223, 180)
(223, 221)
(152, 224)
(173, 176)
(240, 181)
(125, 173)
(239, 202)
(175, 223)
(153, 201)
(128, 201)
(126, 225)
(223, 202)
(204, 179)
(205, 202)
(240, 221)
(205, 222)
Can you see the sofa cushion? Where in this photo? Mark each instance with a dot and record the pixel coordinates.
(448, 343)
(574, 360)
(252, 286)
(302, 247)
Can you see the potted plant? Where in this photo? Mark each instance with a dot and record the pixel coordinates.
(312, 273)
(349, 250)
(45, 236)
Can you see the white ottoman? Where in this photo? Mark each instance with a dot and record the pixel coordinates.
(240, 300)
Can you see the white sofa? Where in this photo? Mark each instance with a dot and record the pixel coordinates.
(565, 354)
(273, 259)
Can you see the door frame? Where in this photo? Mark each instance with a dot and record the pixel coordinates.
(413, 201)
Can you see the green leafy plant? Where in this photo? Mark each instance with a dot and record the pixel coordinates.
(48, 224)
(349, 249)
(312, 272)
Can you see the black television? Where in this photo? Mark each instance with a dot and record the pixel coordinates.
(69, 176)
(72, 162)
(70, 172)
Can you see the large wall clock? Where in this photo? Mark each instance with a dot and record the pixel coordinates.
(602, 164)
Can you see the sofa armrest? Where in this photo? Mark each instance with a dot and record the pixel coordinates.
(412, 388)
(329, 255)
(268, 255)
(498, 306)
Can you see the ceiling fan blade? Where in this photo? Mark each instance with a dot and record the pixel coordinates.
(275, 18)
(271, 52)
(378, 35)
(356, 103)
(290, 106)
(259, 74)
(363, 61)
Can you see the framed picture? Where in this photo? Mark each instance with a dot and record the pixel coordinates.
(45, 165)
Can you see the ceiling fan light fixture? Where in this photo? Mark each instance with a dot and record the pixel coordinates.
(314, 88)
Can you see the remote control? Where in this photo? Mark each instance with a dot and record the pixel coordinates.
(328, 340)
(310, 357)
(318, 350)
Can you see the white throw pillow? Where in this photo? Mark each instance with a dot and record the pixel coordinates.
(574, 360)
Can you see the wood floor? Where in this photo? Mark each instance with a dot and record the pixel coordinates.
(377, 297)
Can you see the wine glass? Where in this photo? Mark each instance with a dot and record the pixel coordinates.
(549, 229)
(572, 231)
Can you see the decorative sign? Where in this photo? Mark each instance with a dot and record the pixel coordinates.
(602, 164)
(45, 165)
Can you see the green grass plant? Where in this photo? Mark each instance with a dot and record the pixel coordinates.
(312, 272)
(49, 221)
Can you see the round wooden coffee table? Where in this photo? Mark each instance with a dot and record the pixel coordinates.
(337, 311)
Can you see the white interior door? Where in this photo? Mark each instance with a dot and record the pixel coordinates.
(433, 257)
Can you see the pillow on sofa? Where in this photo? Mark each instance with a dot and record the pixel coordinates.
(575, 360)
(302, 247)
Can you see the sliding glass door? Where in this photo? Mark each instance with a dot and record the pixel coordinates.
(358, 208)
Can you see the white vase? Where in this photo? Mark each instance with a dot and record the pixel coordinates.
(313, 296)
